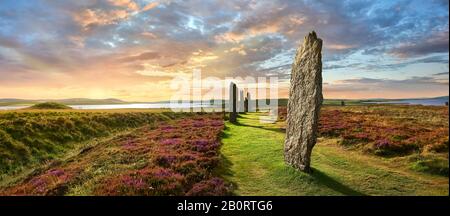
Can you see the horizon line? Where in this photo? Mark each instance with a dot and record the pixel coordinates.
(159, 101)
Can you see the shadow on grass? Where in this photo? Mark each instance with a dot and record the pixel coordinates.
(225, 133)
(274, 129)
(223, 169)
(331, 183)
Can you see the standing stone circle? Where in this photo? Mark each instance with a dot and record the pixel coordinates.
(305, 100)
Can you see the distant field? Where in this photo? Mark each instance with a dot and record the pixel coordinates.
(283, 102)
(336, 102)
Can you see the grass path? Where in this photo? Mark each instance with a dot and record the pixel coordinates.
(252, 159)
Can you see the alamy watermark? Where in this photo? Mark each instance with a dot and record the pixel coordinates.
(212, 94)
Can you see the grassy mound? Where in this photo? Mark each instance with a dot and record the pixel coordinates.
(37, 136)
(50, 105)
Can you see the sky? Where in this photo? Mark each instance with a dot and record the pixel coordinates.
(133, 49)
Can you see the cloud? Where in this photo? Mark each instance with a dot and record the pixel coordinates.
(91, 18)
(129, 4)
(74, 41)
(441, 74)
(392, 82)
(150, 6)
(387, 88)
(434, 43)
(174, 64)
(110, 12)
(380, 66)
(239, 49)
(9, 42)
(340, 66)
(141, 57)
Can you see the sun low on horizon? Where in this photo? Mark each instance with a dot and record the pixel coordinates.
(133, 49)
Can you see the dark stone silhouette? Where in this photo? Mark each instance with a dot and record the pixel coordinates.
(246, 102)
(342, 103)
(233, 102)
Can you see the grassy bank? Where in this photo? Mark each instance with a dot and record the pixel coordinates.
(33, 136)
(174, 157)
(253, 161)
(49, 106)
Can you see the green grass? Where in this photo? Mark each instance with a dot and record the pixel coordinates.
(430, 164)
(252, 159)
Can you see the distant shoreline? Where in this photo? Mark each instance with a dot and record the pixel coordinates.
(282, 102)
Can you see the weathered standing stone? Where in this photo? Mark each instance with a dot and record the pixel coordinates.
(342, 103)
(305, 100)
(241, 101)
(246, 102)
(233, 102)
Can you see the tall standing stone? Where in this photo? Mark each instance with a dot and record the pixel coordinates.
(246, 102)
(305, 100)
(241, 101)
(233, 102)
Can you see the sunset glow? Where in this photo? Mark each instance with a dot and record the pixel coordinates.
(132, 49)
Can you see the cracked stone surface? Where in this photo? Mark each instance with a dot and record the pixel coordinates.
(305, 100)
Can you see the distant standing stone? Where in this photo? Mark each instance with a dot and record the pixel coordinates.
(241, 101)
(305, 100)
(233, 103)
(342, 103)
(246, 102)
